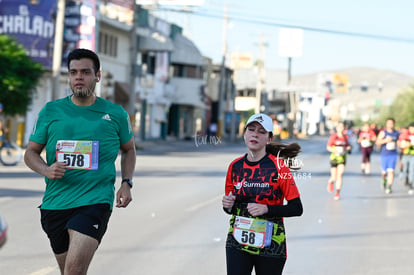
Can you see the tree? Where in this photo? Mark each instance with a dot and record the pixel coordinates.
(19, 75)
(401, 108)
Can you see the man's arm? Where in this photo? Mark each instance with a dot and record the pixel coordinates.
(35, 162)
(381, 140)
(128, 159)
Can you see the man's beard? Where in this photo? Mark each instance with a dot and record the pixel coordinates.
(82, 92)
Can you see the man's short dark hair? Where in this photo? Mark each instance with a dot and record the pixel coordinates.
(78, 54)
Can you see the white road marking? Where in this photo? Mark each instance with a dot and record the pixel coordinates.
(3, 199)
(44, 271)
(202, 204)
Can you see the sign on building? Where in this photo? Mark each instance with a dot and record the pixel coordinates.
(341, 82)
(241, 60)
(32, 24)
(80, 20)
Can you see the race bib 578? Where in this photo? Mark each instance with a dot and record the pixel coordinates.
(78, 154)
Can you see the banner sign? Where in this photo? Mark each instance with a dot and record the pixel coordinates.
(32, 24)
(80, 21)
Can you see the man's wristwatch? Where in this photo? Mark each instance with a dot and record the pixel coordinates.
(127, 181)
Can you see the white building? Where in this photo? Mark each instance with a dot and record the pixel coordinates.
(187, 76)
(167, 83)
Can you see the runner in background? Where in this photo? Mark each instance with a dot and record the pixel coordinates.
(374, 128)
(256, 186)
(387, 140)
(406, 144)
(366, 140)
(339, 147)
(403, 133)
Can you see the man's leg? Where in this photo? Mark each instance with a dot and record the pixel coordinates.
(390, 177)
(81, 250)
(53, 223)
(390, 171)
(383, 172)
(61, 258)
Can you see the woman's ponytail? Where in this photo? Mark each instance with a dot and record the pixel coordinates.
(284, 151)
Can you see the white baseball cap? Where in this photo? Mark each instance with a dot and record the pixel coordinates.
(262, 119)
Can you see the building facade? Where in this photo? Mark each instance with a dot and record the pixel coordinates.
(163, 75)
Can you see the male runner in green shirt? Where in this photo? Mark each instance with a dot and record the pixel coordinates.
(82, 135)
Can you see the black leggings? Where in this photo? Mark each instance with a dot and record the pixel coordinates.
(242, 263)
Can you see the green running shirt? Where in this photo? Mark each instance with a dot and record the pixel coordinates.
(105, 122)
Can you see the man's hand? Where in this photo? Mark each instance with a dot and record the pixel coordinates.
(55, 171)
(123, 196)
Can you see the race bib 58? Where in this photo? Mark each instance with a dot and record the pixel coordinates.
(253, 232)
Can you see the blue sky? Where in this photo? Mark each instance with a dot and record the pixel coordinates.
(321, 51)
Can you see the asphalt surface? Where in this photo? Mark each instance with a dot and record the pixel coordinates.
(175, 224)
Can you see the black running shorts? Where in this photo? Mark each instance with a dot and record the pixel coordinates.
(91, 220)
(335, 163)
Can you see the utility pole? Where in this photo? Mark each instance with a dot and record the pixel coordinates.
(134, 56)
(292, 101)
(260, 76)
(290, 45)
(289, 72)
(222, 87)
(57, 49)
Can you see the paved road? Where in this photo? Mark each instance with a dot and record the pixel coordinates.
(175, 224)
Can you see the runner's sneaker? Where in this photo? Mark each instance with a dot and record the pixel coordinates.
(384, 184)
(388, 190)
(411, 190)
(330, 187)
(336, 196)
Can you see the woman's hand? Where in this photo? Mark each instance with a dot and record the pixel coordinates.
(228, 201)
(256, 209)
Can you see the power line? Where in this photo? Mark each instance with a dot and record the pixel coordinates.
(287, 25)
